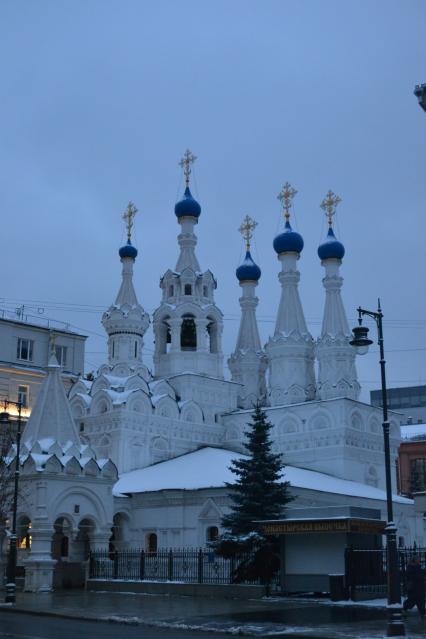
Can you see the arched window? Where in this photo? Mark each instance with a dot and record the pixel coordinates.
(188, 333)
(171, 290)
(212, 533)
(60, 538)
(187, 289)
(152, 543)
(24, 533)
(136, 349)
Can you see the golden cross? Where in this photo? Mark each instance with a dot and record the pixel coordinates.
(246, 229)
(329, 205)
(128, 217)
(188, 159)
(286, 197)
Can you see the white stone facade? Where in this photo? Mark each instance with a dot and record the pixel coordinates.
(129, 418)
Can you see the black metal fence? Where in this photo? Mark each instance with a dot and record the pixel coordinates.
(367, 569)
(186, 565)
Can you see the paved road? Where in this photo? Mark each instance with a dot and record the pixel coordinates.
(27, 626)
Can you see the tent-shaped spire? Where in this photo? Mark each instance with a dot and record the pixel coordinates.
(51, 417)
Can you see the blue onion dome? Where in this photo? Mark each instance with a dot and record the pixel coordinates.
(128, 250)
(248, 270)
(331, 248)
(288, 242)
(187, 206)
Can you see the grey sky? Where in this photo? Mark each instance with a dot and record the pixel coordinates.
(100, 98)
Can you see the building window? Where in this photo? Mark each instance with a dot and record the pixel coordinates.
(61, 355)
(418, 475)
(136, 349)
(25, 349)
(23, 392)
(81, 427)
(212, 533)
(188, 289)
(152, 542)
(113, 348)
(205, 291)
(171, 291)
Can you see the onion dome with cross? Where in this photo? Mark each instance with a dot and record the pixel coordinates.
(128, 250)
(331, 248)
(289, 241)
(126, 321)
(187, 206)
(248, 270)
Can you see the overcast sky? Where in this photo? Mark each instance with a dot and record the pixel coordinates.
(100, 98)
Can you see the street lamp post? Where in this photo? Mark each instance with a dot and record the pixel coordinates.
(420, 93)
(361, 341)
(11, 562)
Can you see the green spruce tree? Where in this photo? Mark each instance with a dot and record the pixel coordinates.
(258, 493)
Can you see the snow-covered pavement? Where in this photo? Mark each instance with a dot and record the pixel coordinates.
(267, 617)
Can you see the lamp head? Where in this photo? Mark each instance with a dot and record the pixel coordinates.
(360, 339)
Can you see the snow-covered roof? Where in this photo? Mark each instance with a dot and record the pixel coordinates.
(51, 417)
(115, 380)
(209, 468)
(119, 397)
(413, 431)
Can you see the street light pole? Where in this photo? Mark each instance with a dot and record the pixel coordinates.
(11, 563)
(361, 341)
(420, 93)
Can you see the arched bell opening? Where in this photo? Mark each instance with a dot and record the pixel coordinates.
(188, 333)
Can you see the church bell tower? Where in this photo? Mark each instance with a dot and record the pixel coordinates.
(188, 324)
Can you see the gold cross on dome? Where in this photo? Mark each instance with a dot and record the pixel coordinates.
(286, 198)
(128, 217)
(188, 159)
(329, 205)
(246, 229)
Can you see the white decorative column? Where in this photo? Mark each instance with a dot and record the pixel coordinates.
(248, 362)
(290, 350)
(175, 328)
(39, 566)
(337, 376)
(202, 346)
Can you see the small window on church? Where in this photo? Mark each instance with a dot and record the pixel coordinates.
(136, 349)
(113, 349)
(152, 542)
(212, 533)
(205, 291)
(188, 289)
(171, 291)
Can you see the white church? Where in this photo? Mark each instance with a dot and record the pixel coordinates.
(140, 458)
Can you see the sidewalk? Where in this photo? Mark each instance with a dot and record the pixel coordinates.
(261, 617)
